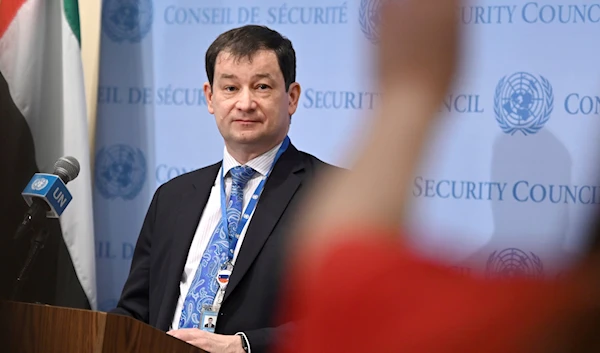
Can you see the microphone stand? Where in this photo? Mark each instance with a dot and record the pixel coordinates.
(37, 244)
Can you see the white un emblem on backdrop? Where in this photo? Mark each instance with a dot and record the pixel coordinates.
(369, 19)
(523, 103)
(127, 20)
(120, 171)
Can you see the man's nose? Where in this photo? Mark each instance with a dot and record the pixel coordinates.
(246, 100)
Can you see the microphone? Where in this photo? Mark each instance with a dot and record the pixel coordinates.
(47, 194)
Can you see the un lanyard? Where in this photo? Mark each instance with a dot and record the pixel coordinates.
(233, 238)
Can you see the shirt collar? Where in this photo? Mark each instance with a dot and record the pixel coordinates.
(261, 164)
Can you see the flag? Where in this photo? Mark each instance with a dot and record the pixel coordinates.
(44, 107)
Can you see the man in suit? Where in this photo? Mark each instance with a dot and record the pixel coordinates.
(252, 93)
(209, 324)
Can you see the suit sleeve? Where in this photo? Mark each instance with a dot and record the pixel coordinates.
(263, 340)
(134, 299)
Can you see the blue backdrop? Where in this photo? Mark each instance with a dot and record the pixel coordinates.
(510, 175)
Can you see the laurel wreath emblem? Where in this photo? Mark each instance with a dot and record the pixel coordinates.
(537, 123)
(113, 188)
(114, 10)
(496, 262)
(365, 25)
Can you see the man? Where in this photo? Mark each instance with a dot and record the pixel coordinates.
(209, 324)
(422, 306)
(252, 93)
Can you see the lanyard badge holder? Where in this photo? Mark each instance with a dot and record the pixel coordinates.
(210, 313)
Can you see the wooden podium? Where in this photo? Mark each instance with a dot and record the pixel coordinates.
(28, 328)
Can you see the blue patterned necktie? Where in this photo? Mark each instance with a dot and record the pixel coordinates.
(204, 287)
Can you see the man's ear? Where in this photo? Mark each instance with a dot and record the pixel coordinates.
(293, 97)
(208, 94)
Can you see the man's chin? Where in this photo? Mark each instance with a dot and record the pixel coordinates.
(248, 137)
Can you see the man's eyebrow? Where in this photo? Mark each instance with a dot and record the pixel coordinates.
(232, 76)
(263, 75)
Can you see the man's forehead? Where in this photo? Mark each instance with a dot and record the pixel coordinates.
(265, 60)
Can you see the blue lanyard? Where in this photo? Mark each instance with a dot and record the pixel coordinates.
(233, 238)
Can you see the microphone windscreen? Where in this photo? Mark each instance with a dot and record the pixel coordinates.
(67, 168)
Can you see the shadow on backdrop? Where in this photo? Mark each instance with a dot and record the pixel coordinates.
(531, 218)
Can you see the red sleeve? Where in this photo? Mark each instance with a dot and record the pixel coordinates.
(372, 296)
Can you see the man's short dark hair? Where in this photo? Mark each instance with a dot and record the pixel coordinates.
(244, 42)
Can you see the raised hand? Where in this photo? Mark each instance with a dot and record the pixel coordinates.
(416, 62)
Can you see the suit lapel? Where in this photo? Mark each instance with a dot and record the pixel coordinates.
(189, 211)
(279, 190)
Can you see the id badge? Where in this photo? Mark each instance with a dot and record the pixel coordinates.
(208, 318)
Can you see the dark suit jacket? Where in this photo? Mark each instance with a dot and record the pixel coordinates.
(253, 295)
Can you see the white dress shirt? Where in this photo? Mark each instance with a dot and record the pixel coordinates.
(212, 215)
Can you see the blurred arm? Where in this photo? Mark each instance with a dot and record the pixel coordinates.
(351, 275)
(417, 55)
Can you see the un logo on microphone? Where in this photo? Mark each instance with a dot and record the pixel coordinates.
(369, 17)
(39, 184)
(127, 20)
(120, 171)
(514, 263)
(523, 103)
